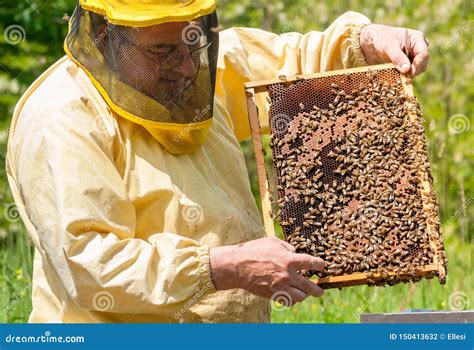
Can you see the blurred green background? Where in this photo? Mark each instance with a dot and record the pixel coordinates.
(31, 39)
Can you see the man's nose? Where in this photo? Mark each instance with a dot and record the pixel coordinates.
(187, 66)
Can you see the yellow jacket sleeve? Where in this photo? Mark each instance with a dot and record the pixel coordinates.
(252, 54)
(76, 202)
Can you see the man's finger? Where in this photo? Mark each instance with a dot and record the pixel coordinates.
(306, 262)
(398, 58)
(296, 295)
(420, 53)
(304, 284)
(419, 64)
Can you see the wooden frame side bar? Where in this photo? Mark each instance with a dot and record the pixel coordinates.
(265, 194)
(426, 190)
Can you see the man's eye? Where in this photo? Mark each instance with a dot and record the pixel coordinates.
(159, 54)
(160, 51)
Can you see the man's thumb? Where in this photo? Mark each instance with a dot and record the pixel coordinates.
(399, 59)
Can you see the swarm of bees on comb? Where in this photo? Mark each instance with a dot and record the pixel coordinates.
(351, 180)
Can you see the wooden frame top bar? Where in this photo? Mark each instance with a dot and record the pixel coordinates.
(260, 86)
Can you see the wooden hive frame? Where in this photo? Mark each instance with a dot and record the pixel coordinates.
(257, 87)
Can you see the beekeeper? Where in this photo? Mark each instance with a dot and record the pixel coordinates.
(124, 162)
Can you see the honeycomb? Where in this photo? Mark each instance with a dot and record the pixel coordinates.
(354, 185)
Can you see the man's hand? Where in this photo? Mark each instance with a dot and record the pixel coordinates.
(407, 49)
(264, 267)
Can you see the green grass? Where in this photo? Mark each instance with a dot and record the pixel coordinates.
(16, 263)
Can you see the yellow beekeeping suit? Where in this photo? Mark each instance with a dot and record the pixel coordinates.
(122, 228)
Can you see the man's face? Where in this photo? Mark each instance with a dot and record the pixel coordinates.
(155, 60)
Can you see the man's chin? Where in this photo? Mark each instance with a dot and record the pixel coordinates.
(170, 99)
(169, 93)
(170, 86)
